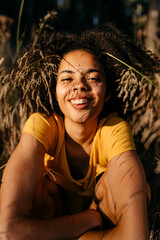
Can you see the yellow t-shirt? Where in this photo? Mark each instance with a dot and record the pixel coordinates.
(112, 138)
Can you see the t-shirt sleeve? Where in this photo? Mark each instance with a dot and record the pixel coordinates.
(43, 128)
(117, 137)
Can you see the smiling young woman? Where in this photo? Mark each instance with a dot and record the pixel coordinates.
(75, 172)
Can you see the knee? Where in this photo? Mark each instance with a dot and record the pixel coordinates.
(47, 187)
(43, 202)
(101, 187)
(47, 202)
(104, 198)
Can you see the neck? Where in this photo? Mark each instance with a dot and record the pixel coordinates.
(81, 133)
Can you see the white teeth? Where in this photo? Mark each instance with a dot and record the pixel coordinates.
(79, 101)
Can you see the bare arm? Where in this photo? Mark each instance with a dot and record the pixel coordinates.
(122, 197)
(20, 181)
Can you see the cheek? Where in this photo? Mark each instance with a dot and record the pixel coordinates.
(58, 96)
(63, 91)
(101, 91)
(59, 92)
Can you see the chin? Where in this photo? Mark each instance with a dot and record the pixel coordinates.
(83, 118)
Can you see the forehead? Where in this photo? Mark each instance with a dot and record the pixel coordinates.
(80, 60)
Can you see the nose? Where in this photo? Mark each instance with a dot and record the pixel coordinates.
(81, 84)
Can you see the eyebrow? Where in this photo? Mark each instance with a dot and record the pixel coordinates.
(88, 71)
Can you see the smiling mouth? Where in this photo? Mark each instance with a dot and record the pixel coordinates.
(80, 102)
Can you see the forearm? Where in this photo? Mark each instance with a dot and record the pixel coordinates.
(113, 234)
(126, 229)
(68, 227)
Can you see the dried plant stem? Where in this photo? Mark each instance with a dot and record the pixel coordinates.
(130, 67)
(2, 167)
(46, 18)
(39, 60)
(18, 27)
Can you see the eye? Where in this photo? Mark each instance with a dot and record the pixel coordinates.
(94, 79)
(66, 79)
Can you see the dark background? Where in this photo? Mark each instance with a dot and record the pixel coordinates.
(73, 15)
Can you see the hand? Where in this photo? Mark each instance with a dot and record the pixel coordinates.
(97, 216)
(93, 205)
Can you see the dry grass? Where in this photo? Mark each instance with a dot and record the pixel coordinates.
(19, 89)
(144, 99)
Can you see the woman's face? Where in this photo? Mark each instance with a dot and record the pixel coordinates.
(81, 86)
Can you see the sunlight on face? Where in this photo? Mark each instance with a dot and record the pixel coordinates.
(81, 86)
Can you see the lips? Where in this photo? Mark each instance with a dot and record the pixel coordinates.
(80, 100)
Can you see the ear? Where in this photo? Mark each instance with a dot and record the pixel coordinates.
(107, 98)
